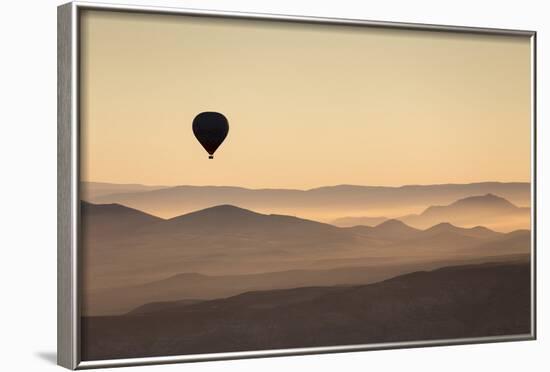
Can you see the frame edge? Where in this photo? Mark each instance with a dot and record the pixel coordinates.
(68, 327)
(128, 7)
(66, 316)
(534, 182)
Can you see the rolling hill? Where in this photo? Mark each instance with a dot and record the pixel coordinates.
(394, 230)
(448, 303)
(112, 220)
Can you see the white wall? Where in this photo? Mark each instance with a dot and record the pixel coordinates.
(28, 186)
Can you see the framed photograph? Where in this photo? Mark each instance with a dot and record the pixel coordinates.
(235, 185)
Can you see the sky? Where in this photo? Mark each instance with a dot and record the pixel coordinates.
(308, 105)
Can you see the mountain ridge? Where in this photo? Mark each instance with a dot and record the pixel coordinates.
(322, 204)
(228, 211)
(489, 210)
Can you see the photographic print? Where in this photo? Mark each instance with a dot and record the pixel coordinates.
(255, 185)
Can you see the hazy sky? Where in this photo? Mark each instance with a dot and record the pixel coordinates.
(308, 105)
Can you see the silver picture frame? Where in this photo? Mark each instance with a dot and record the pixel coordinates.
(68, 219)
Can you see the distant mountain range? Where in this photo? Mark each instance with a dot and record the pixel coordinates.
(488, 210)
(323, 203)
(92, 190)
(450, 303)
(127, 253)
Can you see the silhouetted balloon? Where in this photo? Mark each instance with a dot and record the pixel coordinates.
(210, 128)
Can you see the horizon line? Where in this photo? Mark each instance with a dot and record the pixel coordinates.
(311, 188)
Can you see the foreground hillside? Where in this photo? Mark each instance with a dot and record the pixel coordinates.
(453, 302)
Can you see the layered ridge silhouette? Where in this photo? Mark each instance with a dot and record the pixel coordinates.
(323, 203)
(132, 258)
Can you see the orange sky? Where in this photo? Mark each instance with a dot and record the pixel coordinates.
(308, 105)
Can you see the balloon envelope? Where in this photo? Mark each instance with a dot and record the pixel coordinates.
(210, 128)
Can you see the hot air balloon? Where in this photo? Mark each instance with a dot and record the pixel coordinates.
(210, 128)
